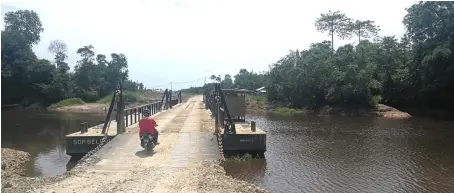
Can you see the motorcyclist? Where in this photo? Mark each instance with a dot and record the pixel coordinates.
(148, 124)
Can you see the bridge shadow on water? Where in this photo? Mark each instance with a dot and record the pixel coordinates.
(242, 166)
(72, 162)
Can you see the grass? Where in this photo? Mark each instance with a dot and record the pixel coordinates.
(244, 158)
(376, 99)
(67, 102)
(259, 98)
(287, 111)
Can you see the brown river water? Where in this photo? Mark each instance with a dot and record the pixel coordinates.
(348, 154)
(305, 154)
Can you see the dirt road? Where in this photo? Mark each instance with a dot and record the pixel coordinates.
(176, 166)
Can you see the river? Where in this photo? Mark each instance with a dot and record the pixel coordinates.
(305, 153)
(43, 136)
(346, 154)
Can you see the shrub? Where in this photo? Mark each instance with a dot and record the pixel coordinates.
(67, 102)
(287, 111)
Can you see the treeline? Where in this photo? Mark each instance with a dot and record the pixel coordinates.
(415, 71)
(27, 79)
(243, 80)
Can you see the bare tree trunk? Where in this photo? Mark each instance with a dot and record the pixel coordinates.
(332, 35)
(359, 36)
(332, 41)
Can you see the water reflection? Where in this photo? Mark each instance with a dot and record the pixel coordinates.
(252, 170)
(353, 154)
(43, 136)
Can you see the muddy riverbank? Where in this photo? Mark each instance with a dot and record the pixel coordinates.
(13, 167)
(284, 108)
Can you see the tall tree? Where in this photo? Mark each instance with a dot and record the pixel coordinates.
(363, 29)
(213, 77)
(26, 23)
(60, 49)
(333, 22)
(218, 78)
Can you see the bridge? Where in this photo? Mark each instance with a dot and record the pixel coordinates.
(119, 164)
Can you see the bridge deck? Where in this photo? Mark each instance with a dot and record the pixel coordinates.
(124, 167)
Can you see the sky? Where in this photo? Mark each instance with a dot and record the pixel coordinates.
(179, 41)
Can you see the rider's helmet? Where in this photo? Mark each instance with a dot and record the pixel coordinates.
(146, 112)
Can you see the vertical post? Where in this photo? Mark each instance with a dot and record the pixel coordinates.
(253, 126)
(141, 112)
(180, 97)
(130, 116)
(120, 112)
(170, 97)
(135, 115)
(126, 117)
(81, 126)
(216, 119)
(109, 113)
(162, 100)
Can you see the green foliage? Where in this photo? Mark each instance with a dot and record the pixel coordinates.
(244, 158)
(25, 23)
(258, 98)
(27, 79)
(287, 111)
(67, 102)
(376, 99)
(363, 29)
(418, 69)
(334, 22)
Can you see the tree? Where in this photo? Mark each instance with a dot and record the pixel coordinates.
(213, 77)
(363, 29)
(59, 48)
(333, 22)
(25, 23)
(218, 78)
(430, 27)
(227, 82)
(27, 79)
(86, 75)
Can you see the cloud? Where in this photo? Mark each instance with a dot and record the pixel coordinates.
(183, 40)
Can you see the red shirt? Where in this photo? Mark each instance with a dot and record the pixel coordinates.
(147, 124)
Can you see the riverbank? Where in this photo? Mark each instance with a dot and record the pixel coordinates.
(102, 105)
(259, 103)
(13, 168)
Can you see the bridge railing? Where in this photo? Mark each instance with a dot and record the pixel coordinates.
(128, 116)
(134, 114)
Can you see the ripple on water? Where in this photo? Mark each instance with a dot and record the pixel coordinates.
(347, 154)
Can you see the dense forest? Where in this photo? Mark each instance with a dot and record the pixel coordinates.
(414, 71)
(27, 79)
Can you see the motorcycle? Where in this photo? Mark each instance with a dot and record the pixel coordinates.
(147, 142)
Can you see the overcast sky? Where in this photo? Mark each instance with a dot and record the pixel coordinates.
(178, 41)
